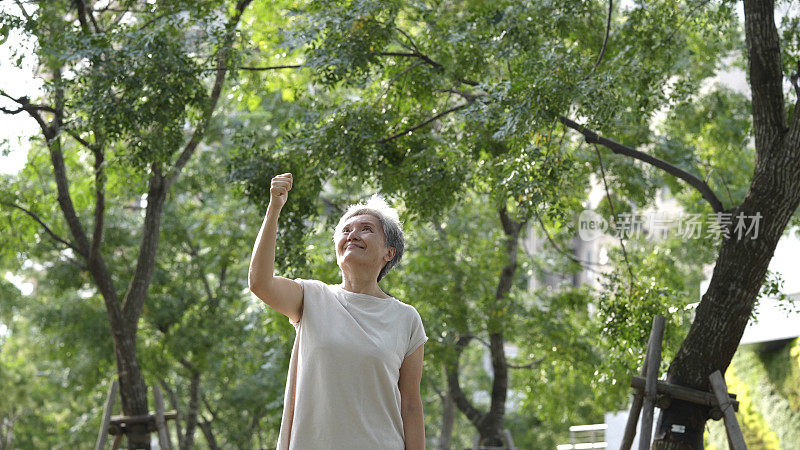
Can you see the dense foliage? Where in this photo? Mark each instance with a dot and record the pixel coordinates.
(452, 109)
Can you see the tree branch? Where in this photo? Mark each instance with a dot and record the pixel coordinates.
(89, 14)
(133, 302)
(428, 60)
(211, 440)
(47, 229)
(258, 69)
(79, 139)
(11, 112)
(529, 365)
(223, 275)
(27, 16)
(605, 40)
(82, 16)
(614, 215)
(422, 124)
(100, 202)
(418, 55)
(120, 16)
(119, 10)
(96, 266)
(468, 96)
(620, 149)
(216, 90)
(397, 77)
(173, 398)
(285, 66)
(436, 388)
(188, 365)
(149, 22)
(60, 173)
(192, 410)
(194, 253)
(459, 398)
(483, 342)
(33, 111)
(208, 407)
(94, 23)
(510, 227)
(558, 248)
(159, 185)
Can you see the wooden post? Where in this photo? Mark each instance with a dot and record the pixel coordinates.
(735, 438)
(683, 393)
(103, 434)
(650, 389)
(638, 396)
(117, 442)
(636, 408)
(509, 441)
(161, 423)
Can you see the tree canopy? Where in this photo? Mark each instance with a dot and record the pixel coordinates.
(491, 125)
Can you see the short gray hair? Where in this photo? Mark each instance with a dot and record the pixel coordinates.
(377, 207)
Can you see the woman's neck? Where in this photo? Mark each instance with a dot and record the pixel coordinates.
(362, 285)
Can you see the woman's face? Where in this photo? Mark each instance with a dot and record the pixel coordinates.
(361, 244)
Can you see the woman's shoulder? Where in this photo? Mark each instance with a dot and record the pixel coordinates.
(407, 308)
(317, 286)
(308, 281)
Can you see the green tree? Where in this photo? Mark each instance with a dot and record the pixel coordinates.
(453, 274)
(428, 87)
(202, 330)
(121, 83)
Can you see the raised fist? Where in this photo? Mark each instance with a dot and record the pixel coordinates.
(279, 189)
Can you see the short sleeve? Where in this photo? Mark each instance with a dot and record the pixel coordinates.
(418, 336)
(301, 282)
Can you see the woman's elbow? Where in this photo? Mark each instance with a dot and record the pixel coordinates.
(251, 283)
(258, 286)
(411, 408)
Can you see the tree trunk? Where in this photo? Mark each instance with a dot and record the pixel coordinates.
(191, 414)
(209, 435)
(774, 193)
(7, 431)
(725, 309)
(448, 418)
(493, 422)
(133, 389)
(490, 424)
(134, 395)
(173, 400)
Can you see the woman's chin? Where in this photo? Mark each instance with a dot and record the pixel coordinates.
(351, 261)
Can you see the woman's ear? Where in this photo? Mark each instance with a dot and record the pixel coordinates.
(391, 254)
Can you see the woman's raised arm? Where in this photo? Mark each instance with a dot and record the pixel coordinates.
(281, 294)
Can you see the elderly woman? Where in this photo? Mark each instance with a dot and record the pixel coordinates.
(356, 364)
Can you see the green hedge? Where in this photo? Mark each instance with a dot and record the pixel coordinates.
(767, 384)
(785, 376)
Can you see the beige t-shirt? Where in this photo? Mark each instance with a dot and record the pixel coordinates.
(341, 391)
